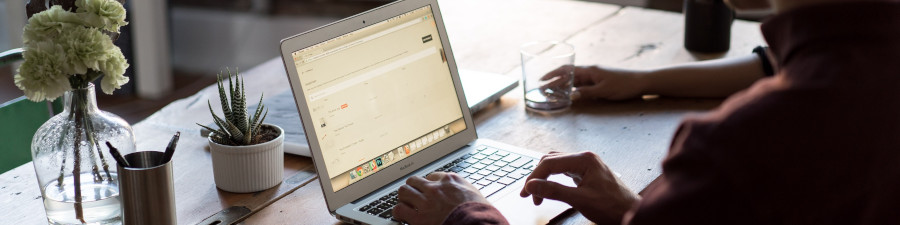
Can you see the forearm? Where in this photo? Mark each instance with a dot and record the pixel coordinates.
(714, 78)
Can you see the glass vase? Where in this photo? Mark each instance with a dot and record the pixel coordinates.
(75, 171)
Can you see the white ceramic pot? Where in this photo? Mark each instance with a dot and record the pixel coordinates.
(251, 168)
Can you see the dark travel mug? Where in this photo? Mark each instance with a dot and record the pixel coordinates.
(707, 26)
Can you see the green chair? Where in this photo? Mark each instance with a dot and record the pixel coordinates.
(19, 120)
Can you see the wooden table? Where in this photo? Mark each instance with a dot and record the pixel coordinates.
(632, 137)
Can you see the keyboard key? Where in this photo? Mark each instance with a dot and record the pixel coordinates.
(487, 161)
(365, 208)
(515, 175)
(502, 153)
(506, 180)
(500, 163)
(520, 162)
(470, 179)
(489, 151)
(462, 174)
(518, 174)
(471, 160)
(470, 170)
(485, 172)
(385, 214)
(456, 169)
(464, 164)
(500, 173)
(373, 211)
(491, 177)
(510, 158)
(479, 156)
(529, 166)
(508, 169)
(475, 177)
(483, 182)
(491, 189)
(495, 157)
(481, 148)
(479, 166)
(492, 168)
(478, 186)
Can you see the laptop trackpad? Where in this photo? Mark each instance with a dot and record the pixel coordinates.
(520, 210)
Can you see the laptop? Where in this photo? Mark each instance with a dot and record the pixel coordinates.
(483, 88)
(380, 99)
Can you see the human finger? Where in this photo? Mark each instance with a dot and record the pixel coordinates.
(404, 212)
(417, 182)
(411, 196)
(523, 193)
(566, 163)
(561, 71)
(540, 188)
(436, 176)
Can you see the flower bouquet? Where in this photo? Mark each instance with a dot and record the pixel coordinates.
(67, 47)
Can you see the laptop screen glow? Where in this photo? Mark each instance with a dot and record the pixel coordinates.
(378, 95)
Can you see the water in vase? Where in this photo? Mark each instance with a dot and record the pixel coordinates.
(100, 201)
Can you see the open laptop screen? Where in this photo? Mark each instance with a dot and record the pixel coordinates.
(378, 95)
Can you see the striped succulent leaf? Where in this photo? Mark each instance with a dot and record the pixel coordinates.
(235, 128)
(226, 108)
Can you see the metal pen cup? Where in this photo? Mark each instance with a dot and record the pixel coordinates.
(147, 189)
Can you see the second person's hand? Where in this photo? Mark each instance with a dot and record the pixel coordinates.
(598, 195)
(594, 82)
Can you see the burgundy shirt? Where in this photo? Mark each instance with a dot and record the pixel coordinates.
(818, 143)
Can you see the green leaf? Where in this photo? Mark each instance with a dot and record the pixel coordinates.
(236, 135)
(213, 131)
(255, 119)
(222, 140)
(258, 125)
(217, 120)
(226, 109)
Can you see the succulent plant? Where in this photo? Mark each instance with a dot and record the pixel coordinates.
(235, 128)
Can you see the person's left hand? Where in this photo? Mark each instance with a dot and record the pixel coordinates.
(431, 199)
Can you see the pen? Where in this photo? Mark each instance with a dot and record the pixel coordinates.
(117, 156)
(170, 150)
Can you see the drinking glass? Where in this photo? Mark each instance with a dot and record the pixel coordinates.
(547, 75)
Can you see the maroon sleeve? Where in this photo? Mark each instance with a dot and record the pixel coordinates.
(475, 213)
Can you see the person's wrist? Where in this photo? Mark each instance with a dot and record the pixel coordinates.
(642, 82)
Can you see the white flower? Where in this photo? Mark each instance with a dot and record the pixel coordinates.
(41, 76)
(106, 14)
(113, 70)
(85, 48)
(48, 24)
(59, 44)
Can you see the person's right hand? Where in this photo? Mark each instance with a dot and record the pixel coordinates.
(599, 195)
(593, 82)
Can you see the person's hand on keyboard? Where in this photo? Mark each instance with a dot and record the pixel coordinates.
(431, 199)
(599, 195)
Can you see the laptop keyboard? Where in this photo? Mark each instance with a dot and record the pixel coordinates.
(488, 168)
